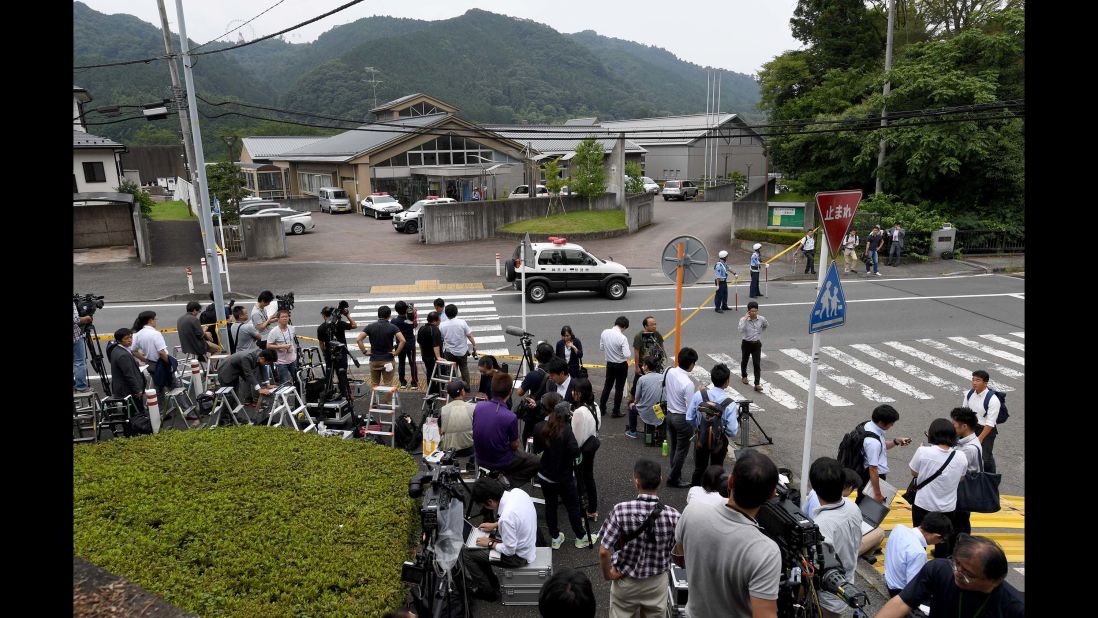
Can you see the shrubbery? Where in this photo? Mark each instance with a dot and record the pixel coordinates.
(248, 521)
(778, 237)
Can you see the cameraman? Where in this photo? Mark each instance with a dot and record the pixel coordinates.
(79, 360)
(515, 534)
(334, 328)
(429, 339)
(732, 566)
(533, 386)
(840, 522)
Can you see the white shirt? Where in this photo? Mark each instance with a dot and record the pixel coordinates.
(809, 242)
(518, 524)
(563, 388)
(699, 495)
(905, 555)
(984, 416)
(850, 241)
(455, 336)
(940, 495)
(973, 450)
(149, 341)
(679, 390)
(614, 345)
(875, 452)
(584, 424)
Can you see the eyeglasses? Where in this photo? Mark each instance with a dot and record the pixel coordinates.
(966, 578)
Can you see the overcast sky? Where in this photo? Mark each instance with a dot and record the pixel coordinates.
(739, 35)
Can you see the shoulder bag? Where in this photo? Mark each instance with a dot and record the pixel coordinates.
(914, 487)
(979, 491)
(627, 538)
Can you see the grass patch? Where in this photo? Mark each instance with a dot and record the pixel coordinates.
(248, 521)
(172, 210)
(792, 197)
(779, 237)
(583, 221)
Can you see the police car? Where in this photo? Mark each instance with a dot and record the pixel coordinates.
(380, 205)
(559, 265)
(408, 221)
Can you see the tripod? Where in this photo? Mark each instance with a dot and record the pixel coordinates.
(746, 418)
(527, 359)
(95, 355)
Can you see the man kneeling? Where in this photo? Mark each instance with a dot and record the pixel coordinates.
(513, 535)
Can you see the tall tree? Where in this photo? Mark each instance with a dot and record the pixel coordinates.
(589, 176)
(840, 33)
(228, 187)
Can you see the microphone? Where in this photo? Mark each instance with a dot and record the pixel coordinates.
(516, 331)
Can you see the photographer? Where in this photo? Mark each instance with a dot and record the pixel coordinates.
(429, 339)
(334, 328)
(241, 371)
(840, 522)
(126, 378)
(458, 337)
(381, 334)
(732, 566)
(514, 536)
(260, 318)
(403, 322)
(534, 384)
(496, 437)
(79, 358)
(281, 340)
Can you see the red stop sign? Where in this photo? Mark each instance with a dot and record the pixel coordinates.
(836, 210)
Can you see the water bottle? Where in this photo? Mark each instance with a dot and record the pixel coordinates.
(664, 449)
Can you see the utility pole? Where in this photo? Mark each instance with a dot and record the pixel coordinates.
(887, 89)
(373, 81)
(177, 95)
(204, 216)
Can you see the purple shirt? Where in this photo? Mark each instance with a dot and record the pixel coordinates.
(495, 427)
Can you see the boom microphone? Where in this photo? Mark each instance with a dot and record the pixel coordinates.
(516, 331)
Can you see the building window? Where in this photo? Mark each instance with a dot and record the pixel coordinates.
(447, 150)
(94, 172)
(311, 182)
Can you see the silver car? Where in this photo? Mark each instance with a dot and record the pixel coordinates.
(293, 221)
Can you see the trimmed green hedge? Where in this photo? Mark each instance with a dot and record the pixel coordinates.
(249, 521)
(778, 237)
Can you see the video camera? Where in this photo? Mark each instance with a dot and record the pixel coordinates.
(444, 481)
(808, 562)
(86, 304)
(285, 301)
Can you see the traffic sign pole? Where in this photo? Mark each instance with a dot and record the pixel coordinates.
(813, 371)
(678, 304)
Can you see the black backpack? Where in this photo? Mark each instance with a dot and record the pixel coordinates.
(651, 347)
(208, 315)
(710, 433)
(852, 450)
(1003, 414)
(407, 434)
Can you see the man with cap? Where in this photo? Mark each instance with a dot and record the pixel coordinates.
(720, 301)
(455, 420)
(756, 264)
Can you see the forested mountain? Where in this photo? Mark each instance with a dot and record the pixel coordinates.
(492, 67)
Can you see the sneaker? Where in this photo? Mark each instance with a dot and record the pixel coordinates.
(587, 541)
(557, 541)
(744, 380)
(632, 434)
(759, 387)
(878, 274)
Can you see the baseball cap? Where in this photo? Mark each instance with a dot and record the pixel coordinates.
(722, 254)
(756, 246)
(454, 387)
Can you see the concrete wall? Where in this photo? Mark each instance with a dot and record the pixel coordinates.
(464, 221)
(102, 225)
(638, 211)
(110, 170)
(264, 237)
(752, 215)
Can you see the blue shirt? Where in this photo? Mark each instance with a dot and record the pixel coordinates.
(731, 425)
(722, 271)
(755, 262)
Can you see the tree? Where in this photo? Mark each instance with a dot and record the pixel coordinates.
(150, 134)
(140, 196)
(553, 181)
(839, 33)
(227, 186)
(589, 179)
(633, 182)
(953, 16)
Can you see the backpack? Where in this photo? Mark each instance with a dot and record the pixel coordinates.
(208, 315)
(1003, 414)
(407, 435)
(711, 424)
(852, 450)
(651, 347)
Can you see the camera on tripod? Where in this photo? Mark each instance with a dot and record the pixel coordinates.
(86, 304)
(808, 562)
(444, 481)
(285, 301)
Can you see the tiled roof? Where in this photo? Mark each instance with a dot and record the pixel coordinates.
(544, 142)
(271, 147)
(679, 129)
(81, 139)
(350, 144)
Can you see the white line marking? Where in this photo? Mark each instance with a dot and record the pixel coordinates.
(490, 339)
(990, 350)
(907, 367)
(1004, 341)
(874, 373)
(943, 364)
(495, 352)
(1021, 296)
(1021, 571)
(972, 358)
(822, 393)
(459, 304)
(829, 372)
(732, 364)
(474, 318)
(1021, 335)
(480, 328)
(431, 299)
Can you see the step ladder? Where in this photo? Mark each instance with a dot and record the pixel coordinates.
(288, 405)
(209, 375)
(86, 412)
(178, 402)
(384, 413)
(444, 372)
(115, 415)
(225, 400)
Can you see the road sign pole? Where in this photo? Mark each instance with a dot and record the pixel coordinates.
(806, 458)
(678, 304)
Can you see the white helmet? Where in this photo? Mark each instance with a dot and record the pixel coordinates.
(756, 246)
(722, 254)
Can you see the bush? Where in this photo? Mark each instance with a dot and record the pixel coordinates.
(248, 521)
(778, 237)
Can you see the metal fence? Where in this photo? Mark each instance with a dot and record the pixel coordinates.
(974, 242)
(234, 245)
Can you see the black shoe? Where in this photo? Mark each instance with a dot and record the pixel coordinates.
(678, 484)
(726, 308)
(719, 310)
(616, 415)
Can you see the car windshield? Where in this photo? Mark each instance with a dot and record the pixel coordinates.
(339, 195)
(417, 206)
(383, 199)
(648, 181)
(672, 184)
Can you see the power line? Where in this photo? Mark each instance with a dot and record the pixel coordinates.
(238, 27)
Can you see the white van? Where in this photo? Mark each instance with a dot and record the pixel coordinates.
(333, 200)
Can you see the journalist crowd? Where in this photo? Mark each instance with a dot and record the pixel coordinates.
(542, 434)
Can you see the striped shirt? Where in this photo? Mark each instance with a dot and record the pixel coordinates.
(650, 552)
(752, 330)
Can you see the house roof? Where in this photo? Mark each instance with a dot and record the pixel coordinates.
(676, 129)
(350, 144)
(581, 122)
(81, 139)
(545, 142)
(261, 147)
(81, 93)
(408, 98)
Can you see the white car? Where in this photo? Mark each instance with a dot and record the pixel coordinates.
(524, 191)
(408, 221)
(650, 185)
(380, 205)
(559, 265)
(293, 221)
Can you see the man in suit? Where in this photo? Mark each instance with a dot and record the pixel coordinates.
(896, 235)
(241, 371)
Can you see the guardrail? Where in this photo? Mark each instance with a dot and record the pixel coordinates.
(975, 242)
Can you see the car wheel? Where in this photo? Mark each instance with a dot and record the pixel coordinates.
(298, 229)
(616, 289)
(365, 212)
(511, 274)
(375, 216)
(536, 292)
(665, 198)
(411, 227)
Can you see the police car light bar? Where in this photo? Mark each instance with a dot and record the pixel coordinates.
(558, 240)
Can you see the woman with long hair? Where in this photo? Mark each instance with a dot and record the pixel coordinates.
(557, 481)
(571, 350)
(939, 495)
(585, 425)
(488, 367)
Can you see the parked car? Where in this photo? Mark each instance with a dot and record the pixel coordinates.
(650, 185)
(251, 206)
(559, 265)
(333, 200)
(524, 191)
(679, 189)
(293, 221)
(409, 220)
(380, 205)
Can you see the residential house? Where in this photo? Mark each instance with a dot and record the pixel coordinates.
(96, 166)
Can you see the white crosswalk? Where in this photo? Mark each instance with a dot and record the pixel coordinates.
(972, 358)
(829, 372)
(989, 350)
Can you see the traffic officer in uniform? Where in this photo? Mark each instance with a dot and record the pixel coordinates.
(720, 301)
(756, 263)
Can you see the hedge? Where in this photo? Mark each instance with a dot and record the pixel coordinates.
(249, 521)
(778, 237)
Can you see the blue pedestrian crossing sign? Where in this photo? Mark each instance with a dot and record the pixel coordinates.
(830, 308)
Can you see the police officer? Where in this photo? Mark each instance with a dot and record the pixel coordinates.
(720, 301)
(756, 264)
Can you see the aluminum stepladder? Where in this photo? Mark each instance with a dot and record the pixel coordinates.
(287, 405)
(225, 400)
(86, 412)
(210, 371)
(178, 402)
(115, 414)
(379, 409)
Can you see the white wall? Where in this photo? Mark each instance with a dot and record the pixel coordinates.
(110, 170)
